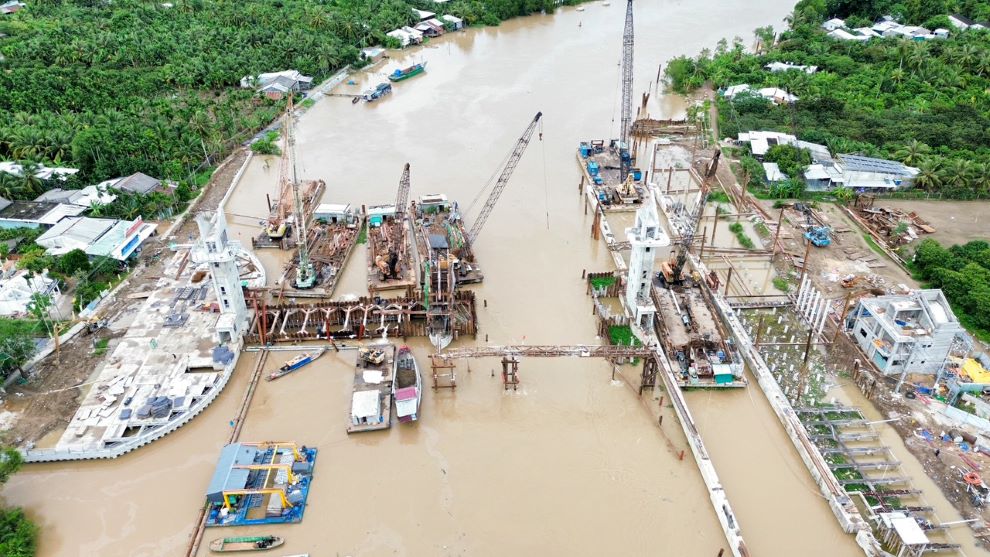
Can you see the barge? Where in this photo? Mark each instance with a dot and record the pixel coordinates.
(390, 264)
(371, 400)
(331, 238)
(696, 348)
(442, 245)
(406, 73)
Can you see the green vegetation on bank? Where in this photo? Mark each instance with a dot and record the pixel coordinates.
(744, 240)
(130, 86)
(18, 535)
(924, 103)
(963, 274)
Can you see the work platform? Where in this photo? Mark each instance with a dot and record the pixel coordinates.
(260, 483)
(601, 171)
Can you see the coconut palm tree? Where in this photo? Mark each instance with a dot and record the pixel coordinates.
(913, 152)
(957, 174)
(929, 177)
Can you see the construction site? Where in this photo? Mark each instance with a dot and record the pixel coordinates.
(390, 256)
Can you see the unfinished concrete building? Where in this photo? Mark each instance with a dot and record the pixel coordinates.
(911, 333)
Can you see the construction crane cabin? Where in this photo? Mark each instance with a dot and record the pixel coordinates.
(609, 174)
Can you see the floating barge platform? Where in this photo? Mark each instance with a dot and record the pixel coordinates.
(390, 264)
(260, 483)
(330, 239)
(371, 401)
(284, 236)
(601, 168)
(694, 344)
(441, 242)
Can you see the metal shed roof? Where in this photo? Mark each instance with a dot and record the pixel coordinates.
(226, 477)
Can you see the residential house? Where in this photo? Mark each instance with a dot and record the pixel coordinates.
(870, 174)
(84, 197)
(963, 23)
(17, 288)
(117, 239)
(372, 53)
(772, 94)
(773, 173)
(33, 214)
(423, 15)
(406, 36)
(11, 7)
(776, 67)
(140, 182)
(276, 85)
(455, 22)
(903, 334)
(843, 35)
(833, 24)
(42, 172)
(431, 27)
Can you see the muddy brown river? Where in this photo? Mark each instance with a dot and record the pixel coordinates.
(571, 463)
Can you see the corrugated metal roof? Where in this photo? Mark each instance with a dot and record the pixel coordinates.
(225, 476)
(868, 164)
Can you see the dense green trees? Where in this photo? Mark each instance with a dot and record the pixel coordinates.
(18, 536)
(116, 88)
(924, 103)
(963, 273)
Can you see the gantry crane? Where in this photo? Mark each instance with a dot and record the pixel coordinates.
(673, 276)
(503, 179)
(402, 196)
(627, 85)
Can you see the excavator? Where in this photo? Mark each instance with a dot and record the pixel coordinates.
(672, 271)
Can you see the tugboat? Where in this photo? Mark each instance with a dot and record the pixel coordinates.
(249, 543)
(295, 363)
(406, 73)
(407, 386)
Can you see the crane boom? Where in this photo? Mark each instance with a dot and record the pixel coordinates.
(627, 77)
(699, 211)
(503, 179)
(402, 196)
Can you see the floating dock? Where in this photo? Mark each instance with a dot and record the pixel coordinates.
(371, 401)
(260, 483)
(441, 242)
(390, 258)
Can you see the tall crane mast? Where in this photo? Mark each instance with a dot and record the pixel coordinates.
(305, 274)
(402, 196)
(503, 179)
(699, 210)
(627, 84)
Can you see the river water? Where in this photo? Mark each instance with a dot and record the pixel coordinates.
(569, 464)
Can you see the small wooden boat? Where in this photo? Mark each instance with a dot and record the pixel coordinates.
(295, 364)
(247, 543)
(406, 73)
(407, 386)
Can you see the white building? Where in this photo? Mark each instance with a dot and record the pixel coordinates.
(772, 170)
(215, 248)
(85, 197)
(33, 214)
(117, 239)
(843, 35)
(290, 80)
(16, 290)
(833, 24)
(42, 172)
(776, 67)
(905, 334)
(963, 23)
(454, 21)
(868, 173)
(772, 94)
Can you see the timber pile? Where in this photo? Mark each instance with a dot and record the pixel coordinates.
(885, 222)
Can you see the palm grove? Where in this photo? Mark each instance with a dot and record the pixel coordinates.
(926, 104)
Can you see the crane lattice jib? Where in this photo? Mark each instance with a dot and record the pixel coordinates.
(503, 179)
(699, 211)
(627, 74)
(402, 196)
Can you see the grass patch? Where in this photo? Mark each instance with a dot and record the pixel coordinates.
(622, 335)
(874, 245)
(307, 103)
(744, 240)
(100, 346)
(718, 196)
(363, 235)
(602, 282)
(16, 327)
(780, 283)
(762, 230)
(266, 145)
